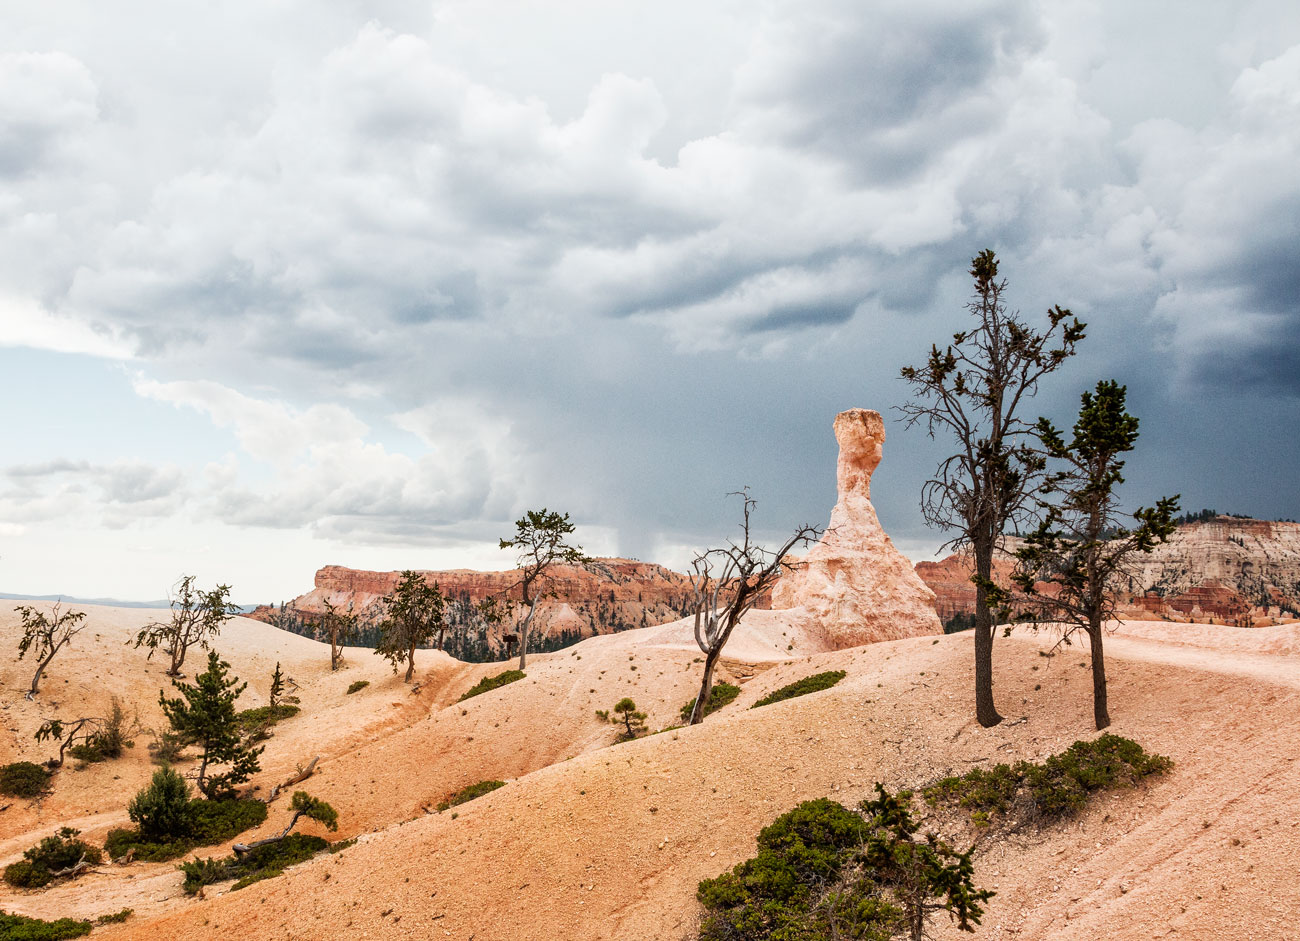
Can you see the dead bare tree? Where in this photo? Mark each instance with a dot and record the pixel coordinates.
(727, 582)
(45, 635)
(197, 615)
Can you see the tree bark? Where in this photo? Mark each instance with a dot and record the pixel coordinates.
(706, 686)
(178, 658)
(986, 712)
(1100, 713)
(36, 680)
(410, 662)
(523, 635)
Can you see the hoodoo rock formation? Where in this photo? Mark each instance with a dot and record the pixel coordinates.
(854, 583)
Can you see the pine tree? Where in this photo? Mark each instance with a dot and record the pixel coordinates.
(205, 714)
(413, 612)
(1080, 548)
(277, 687)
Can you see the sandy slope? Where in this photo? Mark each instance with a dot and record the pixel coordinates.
(590, 840)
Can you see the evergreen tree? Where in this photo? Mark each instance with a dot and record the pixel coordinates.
(205, 715)
(973, 390)
(277, 686)
(1079, 547)
(542, 538)
(413, 613)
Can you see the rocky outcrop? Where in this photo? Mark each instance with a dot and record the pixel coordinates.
(854, 583)
(611, 595)
(1225, 570)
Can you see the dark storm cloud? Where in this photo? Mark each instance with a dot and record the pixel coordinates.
(598, 320)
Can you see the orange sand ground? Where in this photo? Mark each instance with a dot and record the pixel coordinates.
(590, 840)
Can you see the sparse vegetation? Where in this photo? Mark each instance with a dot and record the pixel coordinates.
(824, 871)
(264, 859)
(727, 582)
(197, 617)
(60, 855)
(255, 724)
(24, 779)
(809, 684)
(264, 862)
(22, 928)
(1079, 548)
(972, 389)
(542, 538)
(45, 635)
(204, 714)
(357, 686)
(489, 683)
(469, 793)
(338, 626)
(116, 917)
(724, 694)
(411, 614)
(169, 823)
(91, 738)
(625, 711)
(1056, 787)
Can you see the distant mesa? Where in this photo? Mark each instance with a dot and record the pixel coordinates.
(1221, 569)
(854, 584)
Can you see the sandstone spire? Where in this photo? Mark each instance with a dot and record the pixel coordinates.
(854, 582)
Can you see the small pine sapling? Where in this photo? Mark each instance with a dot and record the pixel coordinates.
(625, 711)
(205, 714)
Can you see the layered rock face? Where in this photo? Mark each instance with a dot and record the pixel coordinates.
(854, 583)
(613, 595)
(1228, 570)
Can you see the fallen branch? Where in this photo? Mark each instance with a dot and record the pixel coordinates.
(302, 775)
(80, 866)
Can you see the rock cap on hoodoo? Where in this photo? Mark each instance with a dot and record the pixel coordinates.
(854, 583)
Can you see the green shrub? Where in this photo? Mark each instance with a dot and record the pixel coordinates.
(171, 824)
(723, 694)
(215, 822)
(489, 683)
(161, 811)
(809, 684)
(263, 862)
(1056, 787)
(255, 723)
(22, 928)
(116, 917)
(201, 872)
(52, 855)
(469, 793)
(25, 875)
(825, 871)
(358, 686)
(24, 779)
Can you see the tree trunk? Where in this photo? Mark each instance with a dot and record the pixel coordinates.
(178, 658)
(1099, 711)
(985, 712)
(706, 686)
(441, 631)
(334, 652)
(410, 662)
(36, 680)
(523, 635)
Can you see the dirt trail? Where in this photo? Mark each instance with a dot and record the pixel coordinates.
(590, 841)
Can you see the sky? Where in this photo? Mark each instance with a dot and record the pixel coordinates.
(286, 284)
